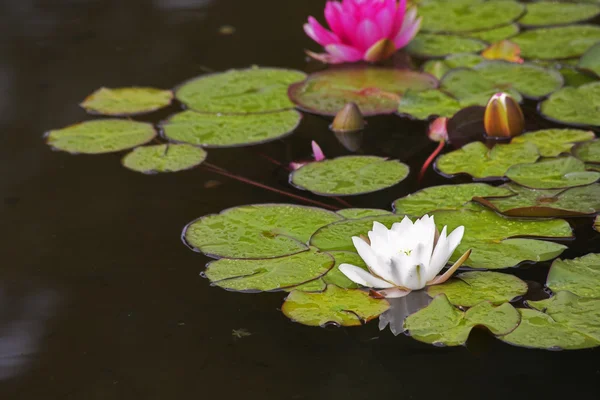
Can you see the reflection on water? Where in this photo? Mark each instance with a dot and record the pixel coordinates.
(402, 307)
(181, 4)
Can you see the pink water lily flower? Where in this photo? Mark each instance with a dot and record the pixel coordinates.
(370, 30)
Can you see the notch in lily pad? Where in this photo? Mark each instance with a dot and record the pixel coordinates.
(127, 101)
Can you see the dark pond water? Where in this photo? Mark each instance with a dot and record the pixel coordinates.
(99, 299)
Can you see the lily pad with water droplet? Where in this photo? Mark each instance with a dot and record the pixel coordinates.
(547, 13)
(574, 106)
(557, 43)
(349, 175)
(422, 105)
(127, 100)
(588, 152)
(471, 88)
(257, 231)
(344, 307)
(496, 34)
(215, 130)
(243, 91)
(356, 213)
(553, 142)
(480, 162)
(268, 274)
(470, 288)
(101, 136)
(431, 45)
(446, 197)
(552, 173)
(580, 276)
(164, 158)
(374, 90)
(590, 61)
(334, 275)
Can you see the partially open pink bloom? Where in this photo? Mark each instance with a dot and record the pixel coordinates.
(318, 155)
(370, 30)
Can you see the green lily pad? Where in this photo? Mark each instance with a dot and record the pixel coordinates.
(442, 324)
(334, 276)
(540, 331)
(498, 242)
(470, 87)
(592, 167)
(597, 223)
(590, 61)
(574, 106)
(463, 60)
(374, 90)
(480, 162)
(588, 152)
(243, 91)
(580, 276)
(257, 231)
(422, 105)
(333, 306)
(553, 142)
(216, 130)
(546, 13)
(446, 197)
(349, 175)
(164, 158)
(437, 68)
(557, 43)
(101, 136)
(466, 16)
(496, 34)
(527, 202)
(356, 213)
(574, 77)
(268, 274)
(470, 288)
(127, 101)
(552, 173)
(431, 45)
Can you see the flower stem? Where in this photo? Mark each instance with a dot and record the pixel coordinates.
(430, 160)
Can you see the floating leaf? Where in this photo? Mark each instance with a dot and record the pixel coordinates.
(573, 77)
(127, 101)
(530, 80)
(216, 130)
(243, 91)
(574, 106)
(580, 276)
(590, 61)
(335, 305)
(553, 142)
(480, 162)
(257, 231)
(431, 45)
(465, 60)
(422, 105)
(356, 213)
(101, 136)
(503, 50)
(334, 275)
(471, 88)
(589, 152)
(546, 13)
(557, 43)
(164, 158)
(268, 274)
(496, 34)
(470, 288)
(446, 197)
(597, 223)
(374, 90)
(552, 173)
(349, 175)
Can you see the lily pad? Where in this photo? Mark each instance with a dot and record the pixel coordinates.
(552, 173)
(589, 152)
(349, 175)
(590, 61)
(553, 142)
(243, 91)
(257, 231)
(496, 34)
(546, 13)
(101, 136)
(268, 274)
(480, 162)
(164, 158)
(127, 101)
(422, 105)
(431, 45)
(580, 276)
(374, 90)
(356, 213)
(526, 202)
(471, 88)
(216, 130)
(442, 324)
(333, 306)
(574, 106)
(557, 43)
(466, 60)
(446, 197)
(597, 223)
(574, 77)
(470, 288)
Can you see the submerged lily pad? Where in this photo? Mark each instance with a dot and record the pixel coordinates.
(127, 101)
(471, 88)
(480, 162)
(580, 276)
(588, 152)
(164, 158)
(496, 34)
(243, 91)
(552, 173)
(557, 43)
(257, 231)
(574, 106)
(446, 197)
(590, 61)
(356, 213)
(101, 136)
(216, 130)
(422, 105)
(553, 142)
(546, 13)
(335, 305)
(349, 175)
(431, 45)
(268, 274)
(470, 288)
(374, 90)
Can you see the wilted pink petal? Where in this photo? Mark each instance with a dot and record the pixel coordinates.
(347, 53)
(325, 57)
(317, 152)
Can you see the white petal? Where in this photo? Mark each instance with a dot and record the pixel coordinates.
(393, 293)
(364, 250)
(413, 274)
(425, 232)
(400, 227)
(455, 238)
(362, 277)
(440, 256)
(379, 238)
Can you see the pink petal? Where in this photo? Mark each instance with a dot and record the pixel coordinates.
(333, 15)
(367, 34)
(325, 57)
(349, 23)
(317, 152)
(344, 52)
(319, 34)
(400, 12)
(407, 33)
(385, 22)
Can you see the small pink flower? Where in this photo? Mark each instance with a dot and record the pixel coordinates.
(318, 155)
(370, 30)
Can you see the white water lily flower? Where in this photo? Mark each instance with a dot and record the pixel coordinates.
(405, 258)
